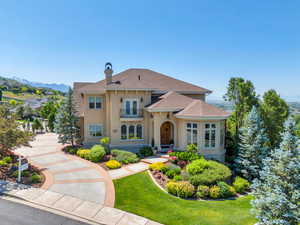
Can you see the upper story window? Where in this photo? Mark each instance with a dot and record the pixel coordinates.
(210, 135)
(192, 133)
(131, 106)
(95, 102)
(96, 130)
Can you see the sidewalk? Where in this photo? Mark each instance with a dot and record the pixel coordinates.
(76, 207)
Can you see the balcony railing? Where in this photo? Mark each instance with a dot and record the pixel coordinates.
(131, 113)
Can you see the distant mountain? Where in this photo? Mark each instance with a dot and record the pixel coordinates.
(54, 86)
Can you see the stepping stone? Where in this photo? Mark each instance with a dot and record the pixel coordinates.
(88, 209)
(154, 160)
(109, 216)
(67, 203)
(138, 167)
(117, 173)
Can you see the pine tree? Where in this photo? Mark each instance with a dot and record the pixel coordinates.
(253, 148)
(66, 121)
(277, 192)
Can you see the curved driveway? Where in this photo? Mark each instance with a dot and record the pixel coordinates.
(67, 174)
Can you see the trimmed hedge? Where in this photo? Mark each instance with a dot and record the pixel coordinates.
(124, 157)
(241, 185)
(97, 153)
(113, 164)
(146, 151)
(186, 156)
(197, 166)
(214, 173)
(181, 189)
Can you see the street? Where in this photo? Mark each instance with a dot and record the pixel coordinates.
(12, 213)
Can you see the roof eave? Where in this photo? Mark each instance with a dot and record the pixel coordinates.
(163, 109)
(202, 117)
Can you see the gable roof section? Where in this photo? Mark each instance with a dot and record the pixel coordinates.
(186, 107)
(143, 79)
(199, 109)
(170, 101)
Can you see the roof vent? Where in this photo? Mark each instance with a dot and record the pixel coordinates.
(139, 77)
(118, 82)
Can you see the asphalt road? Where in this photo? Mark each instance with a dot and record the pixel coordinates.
(12, 213)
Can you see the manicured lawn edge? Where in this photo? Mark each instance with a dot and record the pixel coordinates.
(139, 195)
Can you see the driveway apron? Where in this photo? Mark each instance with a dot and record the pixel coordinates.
(69, 175)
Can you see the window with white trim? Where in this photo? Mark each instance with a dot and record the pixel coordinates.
(222, 136)
(192, 133)
(131, 132)
(95, 102)
(210, 135)
(95, 130)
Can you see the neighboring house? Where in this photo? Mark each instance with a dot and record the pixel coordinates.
(141, 107)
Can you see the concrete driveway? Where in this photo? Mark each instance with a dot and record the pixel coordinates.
(67, 174)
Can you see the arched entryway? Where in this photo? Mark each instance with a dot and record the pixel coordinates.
(166, 134)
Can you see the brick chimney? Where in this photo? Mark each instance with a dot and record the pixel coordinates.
(108, 73)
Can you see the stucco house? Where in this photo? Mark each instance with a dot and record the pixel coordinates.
(140, 107)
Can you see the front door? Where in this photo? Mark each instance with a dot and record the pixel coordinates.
(165, 133)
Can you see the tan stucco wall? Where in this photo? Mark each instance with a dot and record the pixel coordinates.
(93, 116)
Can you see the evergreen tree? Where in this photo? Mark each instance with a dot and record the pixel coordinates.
(66, 121)
(277, 192)
(252, 149)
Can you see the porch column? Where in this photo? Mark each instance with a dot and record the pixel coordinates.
(156, 131)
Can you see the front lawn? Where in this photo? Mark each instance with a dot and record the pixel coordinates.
(139, 195)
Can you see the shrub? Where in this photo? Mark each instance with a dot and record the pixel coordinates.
(192, 148)
(177, 178)
(84, 153)
(214, 173)
(35, 178)
(158, 166)
(164, 169)
(105, 142)
(170, 173)
(26, 173)
(181, 189)
(226, 190)
(7, 159)
(146, 151)
(186, 156)
(113, 164)
(124, 156)
(97, 153)
(197, 166)
(182, 163)
(241, 185)
(214, 192)
(185, 175)
(202, 191)
(3, 163)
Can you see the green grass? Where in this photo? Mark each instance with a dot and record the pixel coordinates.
(139, 195)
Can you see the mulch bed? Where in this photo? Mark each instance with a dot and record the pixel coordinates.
(160, 178)
(6, 173)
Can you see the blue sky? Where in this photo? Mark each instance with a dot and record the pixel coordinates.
(203, 42)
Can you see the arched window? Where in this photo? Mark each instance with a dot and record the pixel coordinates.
(139, 131)
(123, 132)
(131, 131)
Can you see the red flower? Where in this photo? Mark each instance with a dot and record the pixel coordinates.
(173, 158)
(170, 151)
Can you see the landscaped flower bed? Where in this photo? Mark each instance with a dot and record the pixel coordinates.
(189, 175)
(106, 158)
(9, 171)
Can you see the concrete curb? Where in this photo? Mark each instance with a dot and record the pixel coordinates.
(50, 207)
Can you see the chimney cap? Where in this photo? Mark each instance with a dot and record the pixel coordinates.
(108, 66)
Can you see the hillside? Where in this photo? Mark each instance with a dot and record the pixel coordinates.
(58, 87)
(25, 94)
